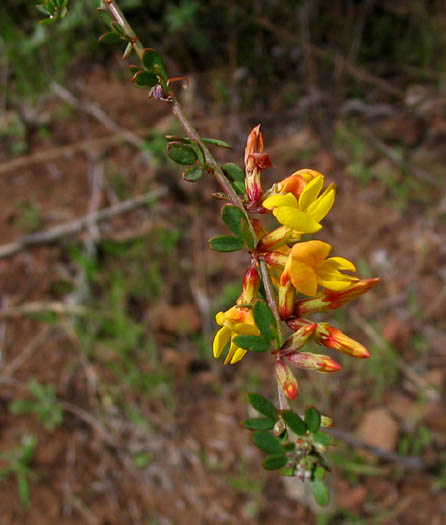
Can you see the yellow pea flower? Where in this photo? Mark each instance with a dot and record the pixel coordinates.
(304, 214)
(307, 267)
(235, 321)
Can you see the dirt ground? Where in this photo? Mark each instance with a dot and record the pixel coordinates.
(183, 458)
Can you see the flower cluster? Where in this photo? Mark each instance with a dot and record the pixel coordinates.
(301, 272)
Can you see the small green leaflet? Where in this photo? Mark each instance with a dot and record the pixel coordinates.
(294, 422)
(216, 142)
(193, 174)
(312, 419)
(234, 172)
(275, 462)
(263, 406)
(233, 217)
(226, 243)
(265, 321)
(154, 63)
(267, 443)
(145, 79)
(254, 343)
(258, 423)
(109, 38)
(320, 492)
(323, 438)
(180, 153)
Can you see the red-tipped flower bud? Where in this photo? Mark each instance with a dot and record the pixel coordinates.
(286, 379)
(275, 239)
(333, 338)
(316, 362)
(250, 286)
(329, 299)
(297, 340)
(287, 296)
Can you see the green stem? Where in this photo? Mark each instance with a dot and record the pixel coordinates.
(271, 297)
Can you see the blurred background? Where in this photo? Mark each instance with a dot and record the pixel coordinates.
(112, 409)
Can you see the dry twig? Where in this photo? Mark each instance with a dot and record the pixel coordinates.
(76, 226)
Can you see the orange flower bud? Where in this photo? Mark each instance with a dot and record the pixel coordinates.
(330, 299)
(331, 337)
(287, 296)
(297, 340)
(286, 379)
(250, 286)
(316, 362)
(276, 259)
(274, 239)
(334, 338)
(255, 163)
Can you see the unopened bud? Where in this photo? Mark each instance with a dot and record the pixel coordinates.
(286, 379)
(276, 259)
(275, 239)
(250, 285)
(333, 338)
(326, 422)
(316, 362)
(297, 340)
(330, 299)
(287, 295)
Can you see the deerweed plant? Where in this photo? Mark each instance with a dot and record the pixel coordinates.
(288, 279)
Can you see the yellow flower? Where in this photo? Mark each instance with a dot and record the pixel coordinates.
(307, 266)
(235, 321)
(305, 214)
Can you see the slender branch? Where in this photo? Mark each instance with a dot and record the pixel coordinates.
(271, 297)
(192, 133)
(118, 15)
(76, 226)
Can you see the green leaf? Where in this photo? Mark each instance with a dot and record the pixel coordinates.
(199, 152)
(247, 236)
(288, 446)
(118, 29)
(23, 486)
(105, 16)
(109, 38)
(319, 472)
(289, 471)
(258, 423)
(216, 142)
(193, 174)
(154, 63)
(312, 419)
(238, 186)
(226, 243)
(263, 406)
(145, 79)
(320, 492)
(181, 153)
(275, 462)
(233, 217)
(134, 69)
(268, 443)
(254, 343)
(294, 422)
(234, 172)
(322, 437)
(48, 21)
(265, 321)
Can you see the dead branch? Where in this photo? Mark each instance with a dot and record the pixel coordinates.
(355, 71)
(76, 226)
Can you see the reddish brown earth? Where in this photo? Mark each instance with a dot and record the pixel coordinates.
(202, 467)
